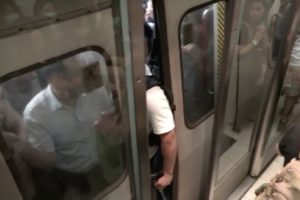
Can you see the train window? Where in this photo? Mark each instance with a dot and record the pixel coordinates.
(197, 38)
(62, 120)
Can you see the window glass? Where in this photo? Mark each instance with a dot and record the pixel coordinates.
(250, 80)
(62, 128)
(198, 57)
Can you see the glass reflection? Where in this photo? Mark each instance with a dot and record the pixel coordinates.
(249, 77)
(70, 134)
(10, 13)
(198, 63)
(253, 46)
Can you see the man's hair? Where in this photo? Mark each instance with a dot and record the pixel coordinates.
(51, 69)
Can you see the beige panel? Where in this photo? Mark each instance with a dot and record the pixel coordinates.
(122, 192)
(8, 187)
(47, 42)
(193, 144)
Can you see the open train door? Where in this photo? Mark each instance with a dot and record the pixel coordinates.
(35, 35)
(191, 35)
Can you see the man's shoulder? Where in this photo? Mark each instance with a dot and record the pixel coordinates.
(38, 102)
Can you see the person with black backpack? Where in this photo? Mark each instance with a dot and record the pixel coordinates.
(162, 139)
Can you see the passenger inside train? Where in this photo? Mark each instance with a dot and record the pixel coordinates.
(62, 130)
(162, 137)
(69, 138)
(253, 46)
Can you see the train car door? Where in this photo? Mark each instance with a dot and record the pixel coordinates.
(191, 38)
(52, 51)
(199, 25)
(244, 94)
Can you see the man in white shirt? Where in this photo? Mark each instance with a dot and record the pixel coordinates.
(161, 121)
(63, 121)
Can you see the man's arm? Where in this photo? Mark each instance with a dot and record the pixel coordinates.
(169, 153)
(13, 120)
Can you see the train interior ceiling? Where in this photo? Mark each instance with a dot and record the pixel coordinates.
(236, 96)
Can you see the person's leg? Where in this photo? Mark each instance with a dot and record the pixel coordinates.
(48, 186)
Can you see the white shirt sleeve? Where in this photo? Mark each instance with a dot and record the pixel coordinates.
(159, 112)
(38, 136)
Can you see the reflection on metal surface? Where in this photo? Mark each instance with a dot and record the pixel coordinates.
(248, 78)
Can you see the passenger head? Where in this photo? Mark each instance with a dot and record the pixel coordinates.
(149, 17)
(45, 8)
(10, 12)
(66, 77)
(256, 11)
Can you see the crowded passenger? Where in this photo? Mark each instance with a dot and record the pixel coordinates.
(161, 122)
(67, 124)
(12, 130)
(253, 44)
(285, 185)
(197, 59)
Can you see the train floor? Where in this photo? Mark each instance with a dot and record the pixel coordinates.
(254, 183)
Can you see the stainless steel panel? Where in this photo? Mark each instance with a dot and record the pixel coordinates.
(228, 184)
(136, 19)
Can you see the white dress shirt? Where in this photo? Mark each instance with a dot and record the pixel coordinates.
(69, 132)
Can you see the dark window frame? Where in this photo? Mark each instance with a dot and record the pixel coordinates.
(212, 110)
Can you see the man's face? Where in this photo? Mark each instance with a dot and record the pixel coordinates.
(73, 78)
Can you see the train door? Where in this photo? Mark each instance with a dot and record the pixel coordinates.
(242, 103)
(191, 38)
(52, 51)
(274, 122)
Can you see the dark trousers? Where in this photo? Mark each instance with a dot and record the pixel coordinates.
(52, 185)
(156, 164)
